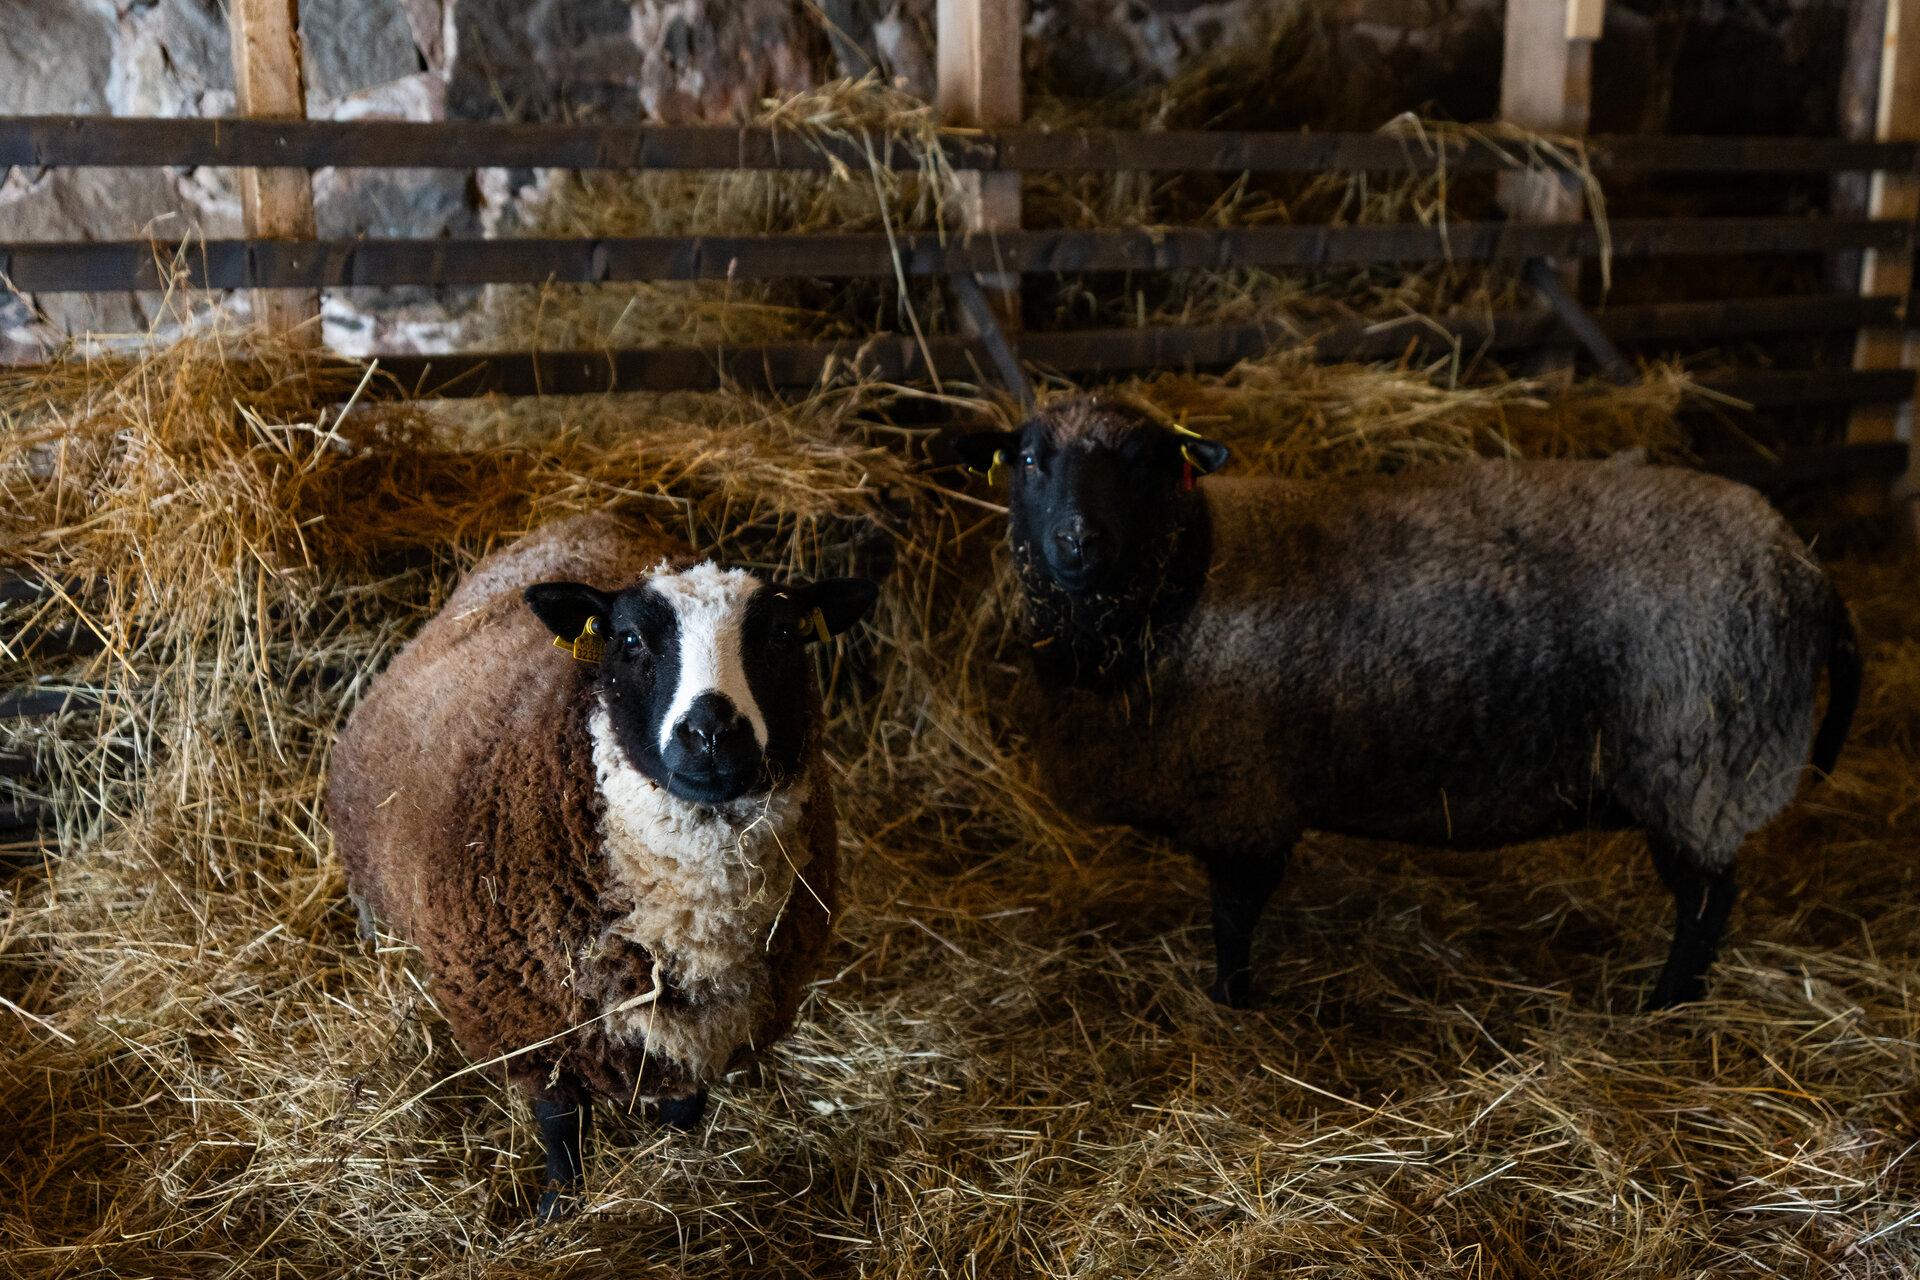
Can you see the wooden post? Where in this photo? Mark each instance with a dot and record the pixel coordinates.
(979, 88)
(1892, 195)
(1546, 84)
(1859, 108)
(277, 203)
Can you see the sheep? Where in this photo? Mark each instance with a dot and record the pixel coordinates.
(1465, 656)
(620, 872)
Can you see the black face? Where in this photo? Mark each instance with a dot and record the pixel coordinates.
(1085, 508)
(705, 676)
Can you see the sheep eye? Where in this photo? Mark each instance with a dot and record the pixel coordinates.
(1029, 459)
(631, 643)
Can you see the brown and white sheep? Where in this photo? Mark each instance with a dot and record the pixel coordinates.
(1469, 655)
(620, 873)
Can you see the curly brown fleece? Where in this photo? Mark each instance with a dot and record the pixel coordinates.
(463, 801)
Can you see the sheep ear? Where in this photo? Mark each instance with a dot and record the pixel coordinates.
(831, 605)
(565, 607)
(977, 449)
(1203, 455)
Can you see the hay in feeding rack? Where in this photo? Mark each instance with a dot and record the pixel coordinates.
(1010, 1067)
(881, 122)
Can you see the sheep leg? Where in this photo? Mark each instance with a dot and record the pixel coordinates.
(563, 1132)
(1241, 887)
(1702, 900)
(683, 1114)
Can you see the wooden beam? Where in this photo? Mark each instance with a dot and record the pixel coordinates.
(1794, 388)
(18, 817)
(978, 47)
(1889, 272)
(276, 203)
(1699, 323)
(1577, 322)
(116, 266)
(24, 704)
(1090, 353)
(129, 142)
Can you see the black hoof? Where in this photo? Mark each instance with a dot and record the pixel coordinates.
(1671, 993)
(557, 1203)
(683, 1114)
(1235, 992)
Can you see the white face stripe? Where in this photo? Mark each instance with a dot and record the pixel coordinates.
(710, 606)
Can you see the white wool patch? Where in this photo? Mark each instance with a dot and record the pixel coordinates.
(710, 604)
(708, 886)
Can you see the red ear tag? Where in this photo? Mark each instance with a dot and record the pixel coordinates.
(1186, 475)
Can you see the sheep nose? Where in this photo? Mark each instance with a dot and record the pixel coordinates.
(1078, 543)
(707, 725)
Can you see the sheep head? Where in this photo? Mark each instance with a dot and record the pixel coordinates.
(703, 670)
(1094, 489)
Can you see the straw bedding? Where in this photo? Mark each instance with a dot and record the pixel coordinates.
(1010, 1066)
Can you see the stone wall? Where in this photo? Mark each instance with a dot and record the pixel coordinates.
(1689, 65)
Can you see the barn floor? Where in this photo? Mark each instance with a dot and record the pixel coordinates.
(1009, 1066)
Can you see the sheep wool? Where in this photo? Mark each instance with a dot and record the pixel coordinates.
(641, 944)
(708, 887)
(1469, 656)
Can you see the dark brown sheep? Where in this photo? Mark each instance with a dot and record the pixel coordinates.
(621, 874)
(1469, 655)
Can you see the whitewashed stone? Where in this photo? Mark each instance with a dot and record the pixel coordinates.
(350, 46)
(55, 57)
(172, 58)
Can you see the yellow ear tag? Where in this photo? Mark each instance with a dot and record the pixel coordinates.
(1194, 466)
(587, 646)
(1186, 450)
(999, 467)
(819, 623)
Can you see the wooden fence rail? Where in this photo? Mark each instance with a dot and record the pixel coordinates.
(1090, 353)
(25, 703)
(83, 141)
(1096, 352)
(118, 266)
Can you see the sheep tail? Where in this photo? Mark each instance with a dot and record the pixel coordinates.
(1843, 687)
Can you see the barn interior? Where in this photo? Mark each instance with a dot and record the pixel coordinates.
(213, 534)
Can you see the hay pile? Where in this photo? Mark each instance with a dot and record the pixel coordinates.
(1009, 1067)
